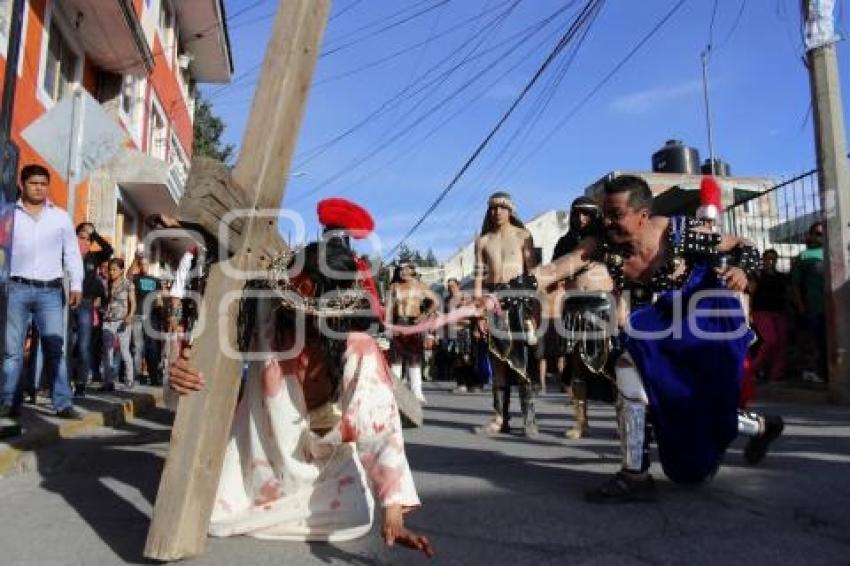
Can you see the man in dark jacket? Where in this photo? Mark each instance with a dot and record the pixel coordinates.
(94, 294)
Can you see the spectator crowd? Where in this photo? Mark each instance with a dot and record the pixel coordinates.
(121, 318)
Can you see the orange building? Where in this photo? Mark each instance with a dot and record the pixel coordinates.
(141, 60)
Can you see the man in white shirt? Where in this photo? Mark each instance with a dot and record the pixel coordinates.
(44, 245)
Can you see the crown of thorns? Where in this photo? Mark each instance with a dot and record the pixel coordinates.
(333, 304)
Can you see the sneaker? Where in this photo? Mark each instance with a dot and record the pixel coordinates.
(758, 446)
(492, 428)
(624, 488)
(460, 389)
(69, 413)
(530, 430)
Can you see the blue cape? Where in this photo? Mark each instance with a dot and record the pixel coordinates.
(693, 383)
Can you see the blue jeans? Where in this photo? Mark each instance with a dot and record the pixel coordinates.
(116, 336)
(45, 306)
(83, 319)
(146, 348)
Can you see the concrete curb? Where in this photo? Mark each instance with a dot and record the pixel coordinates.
(18, 455)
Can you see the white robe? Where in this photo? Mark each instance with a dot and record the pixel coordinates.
(282, 481)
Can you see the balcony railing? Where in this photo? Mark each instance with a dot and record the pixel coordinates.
(177, 176)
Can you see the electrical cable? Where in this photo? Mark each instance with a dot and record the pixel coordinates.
(569, 34)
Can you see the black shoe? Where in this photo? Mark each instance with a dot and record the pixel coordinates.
(69, 413)
(80, 390)
(758, 446)
(107, 388)
(32, 398)
(624, 488)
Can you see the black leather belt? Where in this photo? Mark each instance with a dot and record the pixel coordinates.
(51, 284)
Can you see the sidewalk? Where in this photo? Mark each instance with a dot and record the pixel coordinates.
(42, 428)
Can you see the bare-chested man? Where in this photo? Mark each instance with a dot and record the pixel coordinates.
(503, 257)
(587, 310)
(406, 302)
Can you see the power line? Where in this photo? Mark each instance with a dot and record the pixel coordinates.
(359, 160)
(248, 73)
(632, 52)
(711, 25)
(345, 10)
(734, 27)
(564, 41)
(403, 94)
(333, 49)
(391, 56)
(523, 58)
(201, 34)
(521, 134)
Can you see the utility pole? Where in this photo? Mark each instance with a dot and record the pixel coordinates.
(705, 55)
(834, 180)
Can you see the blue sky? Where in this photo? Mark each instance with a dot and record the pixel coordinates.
(759, 94)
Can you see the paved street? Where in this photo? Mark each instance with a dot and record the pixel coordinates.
(486, 501)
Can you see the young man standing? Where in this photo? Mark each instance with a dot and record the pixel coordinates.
(503, 256)
(94, 296)
(147, 321)
(405, 302)
(43, 246)
(808, 284)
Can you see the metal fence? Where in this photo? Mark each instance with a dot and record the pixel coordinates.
(779, 217)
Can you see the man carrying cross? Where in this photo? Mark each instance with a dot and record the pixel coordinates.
(316, 438)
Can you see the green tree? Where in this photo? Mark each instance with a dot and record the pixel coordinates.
(431, 259)
(208, 129)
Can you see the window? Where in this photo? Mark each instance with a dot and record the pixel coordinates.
(157, 133)
(166, 29)
(129, 95)
(60, 67)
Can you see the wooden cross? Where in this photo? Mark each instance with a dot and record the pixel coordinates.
(201, 428)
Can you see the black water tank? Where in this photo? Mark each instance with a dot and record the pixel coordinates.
(676, 157)
(721, 168)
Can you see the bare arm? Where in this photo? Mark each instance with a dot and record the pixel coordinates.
(529, 261)
(388, 307)
(478, 270)
(131, 304)
(436, 301)
(729, 242)
(566, 266)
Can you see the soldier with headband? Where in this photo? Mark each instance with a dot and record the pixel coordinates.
(503, 258)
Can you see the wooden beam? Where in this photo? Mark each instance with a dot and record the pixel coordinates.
(202, 424)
